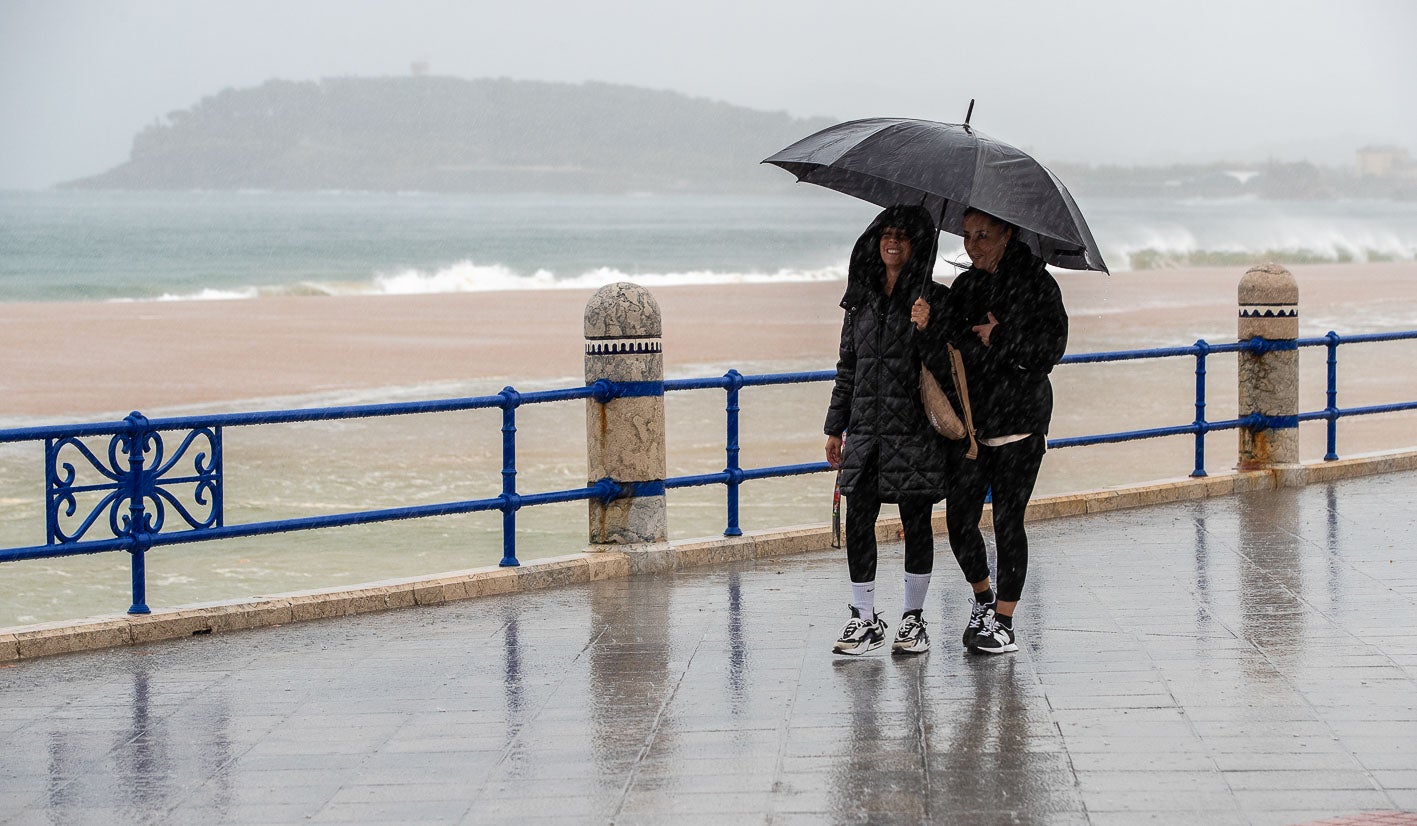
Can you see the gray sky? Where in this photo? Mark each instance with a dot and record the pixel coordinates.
(1124, 81)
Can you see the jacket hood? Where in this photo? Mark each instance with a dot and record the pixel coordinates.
(866, 272)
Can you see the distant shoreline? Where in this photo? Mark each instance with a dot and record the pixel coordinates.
(497, 135)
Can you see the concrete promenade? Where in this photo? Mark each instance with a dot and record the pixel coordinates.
(1244, 659)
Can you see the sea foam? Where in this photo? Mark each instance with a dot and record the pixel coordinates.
(471, 277)
(467, 276)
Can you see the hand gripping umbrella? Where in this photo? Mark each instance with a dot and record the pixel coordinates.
(947, 167)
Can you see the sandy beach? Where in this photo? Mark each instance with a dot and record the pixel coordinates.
(59, 361)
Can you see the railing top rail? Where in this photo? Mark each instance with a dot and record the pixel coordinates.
(705, 383)
(310, 414)
(1199, 348)
(734, 378)
(1127, 355)
(788, 378)
(1359, 338)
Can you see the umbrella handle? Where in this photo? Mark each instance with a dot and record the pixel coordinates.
(836, 511)
(912, 332)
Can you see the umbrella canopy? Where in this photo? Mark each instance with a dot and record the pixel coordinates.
(947, 168)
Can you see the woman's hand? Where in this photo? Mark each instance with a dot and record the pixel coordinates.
(920, 313)
(834, 451)
(985, 330)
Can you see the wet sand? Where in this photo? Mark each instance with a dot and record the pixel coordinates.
(64, 360)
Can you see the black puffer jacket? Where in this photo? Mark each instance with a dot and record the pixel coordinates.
(1008, 380)
(876, 399)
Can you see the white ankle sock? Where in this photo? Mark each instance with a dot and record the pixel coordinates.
(863, 598)
(916, 585)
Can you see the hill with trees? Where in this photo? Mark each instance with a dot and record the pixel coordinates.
(444, 134)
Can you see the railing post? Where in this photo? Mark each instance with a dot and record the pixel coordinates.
(510, 501)
(1269, 372)
(733, 469)
(1331, 410)
(1201, 350)
(137, 527)
(625, 442)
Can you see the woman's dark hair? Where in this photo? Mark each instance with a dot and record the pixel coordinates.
(915, 220)
(1013, 230)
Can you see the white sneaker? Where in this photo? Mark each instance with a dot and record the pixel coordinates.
(860, 636)
(910, 637)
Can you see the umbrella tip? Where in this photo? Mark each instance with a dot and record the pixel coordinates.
(970, 113)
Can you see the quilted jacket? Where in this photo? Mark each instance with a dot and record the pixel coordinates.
(876, 398)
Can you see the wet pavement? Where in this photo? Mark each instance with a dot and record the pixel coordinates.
(1242, 660)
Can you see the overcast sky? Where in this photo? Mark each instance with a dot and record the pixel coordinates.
(1125, 81)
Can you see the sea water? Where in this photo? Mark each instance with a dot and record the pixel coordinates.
(242, 246)
(104, 246)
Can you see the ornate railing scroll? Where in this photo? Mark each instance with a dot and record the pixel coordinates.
(134, 485)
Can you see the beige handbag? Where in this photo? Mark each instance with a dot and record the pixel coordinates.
(938, 409)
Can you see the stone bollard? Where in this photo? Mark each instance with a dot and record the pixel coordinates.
(625, 431)
(1269, 381)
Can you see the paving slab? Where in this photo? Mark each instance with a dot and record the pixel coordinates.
(1245, 659)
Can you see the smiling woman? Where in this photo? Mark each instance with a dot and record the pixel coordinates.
(877, 432)
(895, 253)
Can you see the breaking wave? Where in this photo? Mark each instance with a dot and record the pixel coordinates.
(470, 277)
(1202, 234)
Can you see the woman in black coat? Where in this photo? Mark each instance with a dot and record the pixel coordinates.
(889, 452)
(1006, 316)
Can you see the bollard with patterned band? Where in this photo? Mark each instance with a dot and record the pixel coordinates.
(1269, 373)
(625, 422)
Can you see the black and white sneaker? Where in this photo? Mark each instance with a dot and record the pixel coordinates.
(860, 636)
(993, 638)
(976, 620)
(910, 637)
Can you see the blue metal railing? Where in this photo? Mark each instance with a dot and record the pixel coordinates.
(732, 475)
(1199, 427)
(1332, 412)
(137, 499)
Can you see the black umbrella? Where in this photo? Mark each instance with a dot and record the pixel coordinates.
(947, 167)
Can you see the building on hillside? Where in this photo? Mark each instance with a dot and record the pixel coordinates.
(1384, 161)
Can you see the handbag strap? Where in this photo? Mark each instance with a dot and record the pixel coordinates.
(962, 388)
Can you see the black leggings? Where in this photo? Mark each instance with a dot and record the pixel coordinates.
(863, 505)
(1010, 470)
